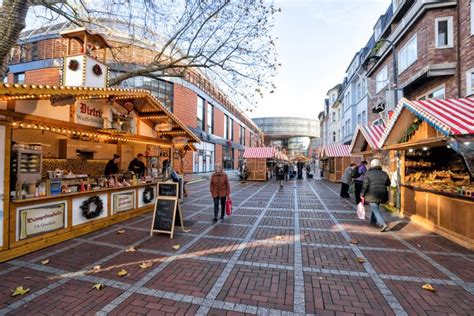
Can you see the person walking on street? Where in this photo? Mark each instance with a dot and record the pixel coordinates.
(346, 181)
(375, 192)
(286, 170)
(280, 173)
(358, 174)
(220, 190)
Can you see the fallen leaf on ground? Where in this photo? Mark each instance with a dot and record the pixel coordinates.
(353, 241)
(121, 231)
(98, 286)
(279, 237)
(428, 287)
(186, 230)
(418, 245)
(176, 247)
(19, 291)
(145, 265)
(96, 268)
(360, 260)
(132, 249)
(122, 273)
(45, 262)
(306, 234)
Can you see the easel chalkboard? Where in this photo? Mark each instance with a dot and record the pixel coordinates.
(167, 213)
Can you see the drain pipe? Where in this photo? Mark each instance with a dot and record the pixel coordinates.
(458, 47)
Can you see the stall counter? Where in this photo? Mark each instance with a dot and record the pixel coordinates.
(44, 221)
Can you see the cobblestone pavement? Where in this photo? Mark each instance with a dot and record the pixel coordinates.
(290, 250)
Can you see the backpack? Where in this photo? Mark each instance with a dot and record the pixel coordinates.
(355, 173)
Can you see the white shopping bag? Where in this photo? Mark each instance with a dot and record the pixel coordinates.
(360, 211)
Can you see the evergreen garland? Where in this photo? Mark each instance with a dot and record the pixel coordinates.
(410, 131)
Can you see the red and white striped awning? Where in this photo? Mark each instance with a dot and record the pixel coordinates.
(452, 117)
(371, 134)
(336, 150)
(259, 152)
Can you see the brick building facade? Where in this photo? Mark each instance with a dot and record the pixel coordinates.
(38, 60)
(434, 47)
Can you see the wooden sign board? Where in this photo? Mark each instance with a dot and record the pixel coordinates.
(167, 213)
(169, 189)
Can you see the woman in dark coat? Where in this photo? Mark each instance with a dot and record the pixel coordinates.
(280, 173)
(374, 190)
(220, 190)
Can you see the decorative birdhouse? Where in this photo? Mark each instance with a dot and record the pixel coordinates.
(85, 69)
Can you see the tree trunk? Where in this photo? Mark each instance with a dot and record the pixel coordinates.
(12, 22)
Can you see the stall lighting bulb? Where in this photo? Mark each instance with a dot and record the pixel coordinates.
(410, 150)
(425, 148)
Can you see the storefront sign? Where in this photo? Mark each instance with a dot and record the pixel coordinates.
(39, 220)
(123, 201)
(58, 100)
(89, 113)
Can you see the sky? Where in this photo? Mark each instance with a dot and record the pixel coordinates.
(317, 40)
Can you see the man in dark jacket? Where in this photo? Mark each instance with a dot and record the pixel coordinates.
(137, 166)
(112, 168)
(375, 192)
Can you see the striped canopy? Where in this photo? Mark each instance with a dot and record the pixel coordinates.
(452, 117)
(371, 134)
(259, 152)
(336, 150)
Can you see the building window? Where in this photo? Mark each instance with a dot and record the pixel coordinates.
(472, 17)
(343, 131)
(408, 54)
(359, 91)
(334, 117)
(381, 80)
(470, 82)
(19, 78)
(377, 122)
(437, 93)
(230, 126)
(210, 118)
(226, 130)
(359, 119)
(242, 135)
(444, 32)
(200, 113)
(162, 90)
(363, 119)
(333, 137)
(227, 158)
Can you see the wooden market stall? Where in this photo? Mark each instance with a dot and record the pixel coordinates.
(55, 144)
(435, 141)
(257, 158)
(335, 158)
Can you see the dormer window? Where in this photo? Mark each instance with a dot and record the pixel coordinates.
(378, 29)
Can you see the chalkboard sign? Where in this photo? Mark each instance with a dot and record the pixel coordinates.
(164, 215)
(168, 189)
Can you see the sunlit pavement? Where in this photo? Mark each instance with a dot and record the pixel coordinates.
(292, 250)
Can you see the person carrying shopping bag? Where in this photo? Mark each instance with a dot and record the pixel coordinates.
(220, 190)
(375, 192)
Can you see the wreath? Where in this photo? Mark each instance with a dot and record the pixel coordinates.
(97, 70)
(73, 64)
(99, 207)
(410, 131)
(148, 194)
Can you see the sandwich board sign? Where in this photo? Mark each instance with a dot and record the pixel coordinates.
(167, 213)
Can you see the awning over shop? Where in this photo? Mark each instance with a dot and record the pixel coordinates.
(451, 117)
(259, 152)
(335, 150)
(147, 107)
(366, 136)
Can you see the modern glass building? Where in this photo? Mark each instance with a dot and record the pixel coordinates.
(293, 134)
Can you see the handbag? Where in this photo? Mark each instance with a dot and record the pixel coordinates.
(361, 211)
(228, 206)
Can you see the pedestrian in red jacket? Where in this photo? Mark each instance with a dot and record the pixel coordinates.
(220, 190)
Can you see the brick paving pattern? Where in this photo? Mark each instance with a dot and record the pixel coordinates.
(284, 251)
